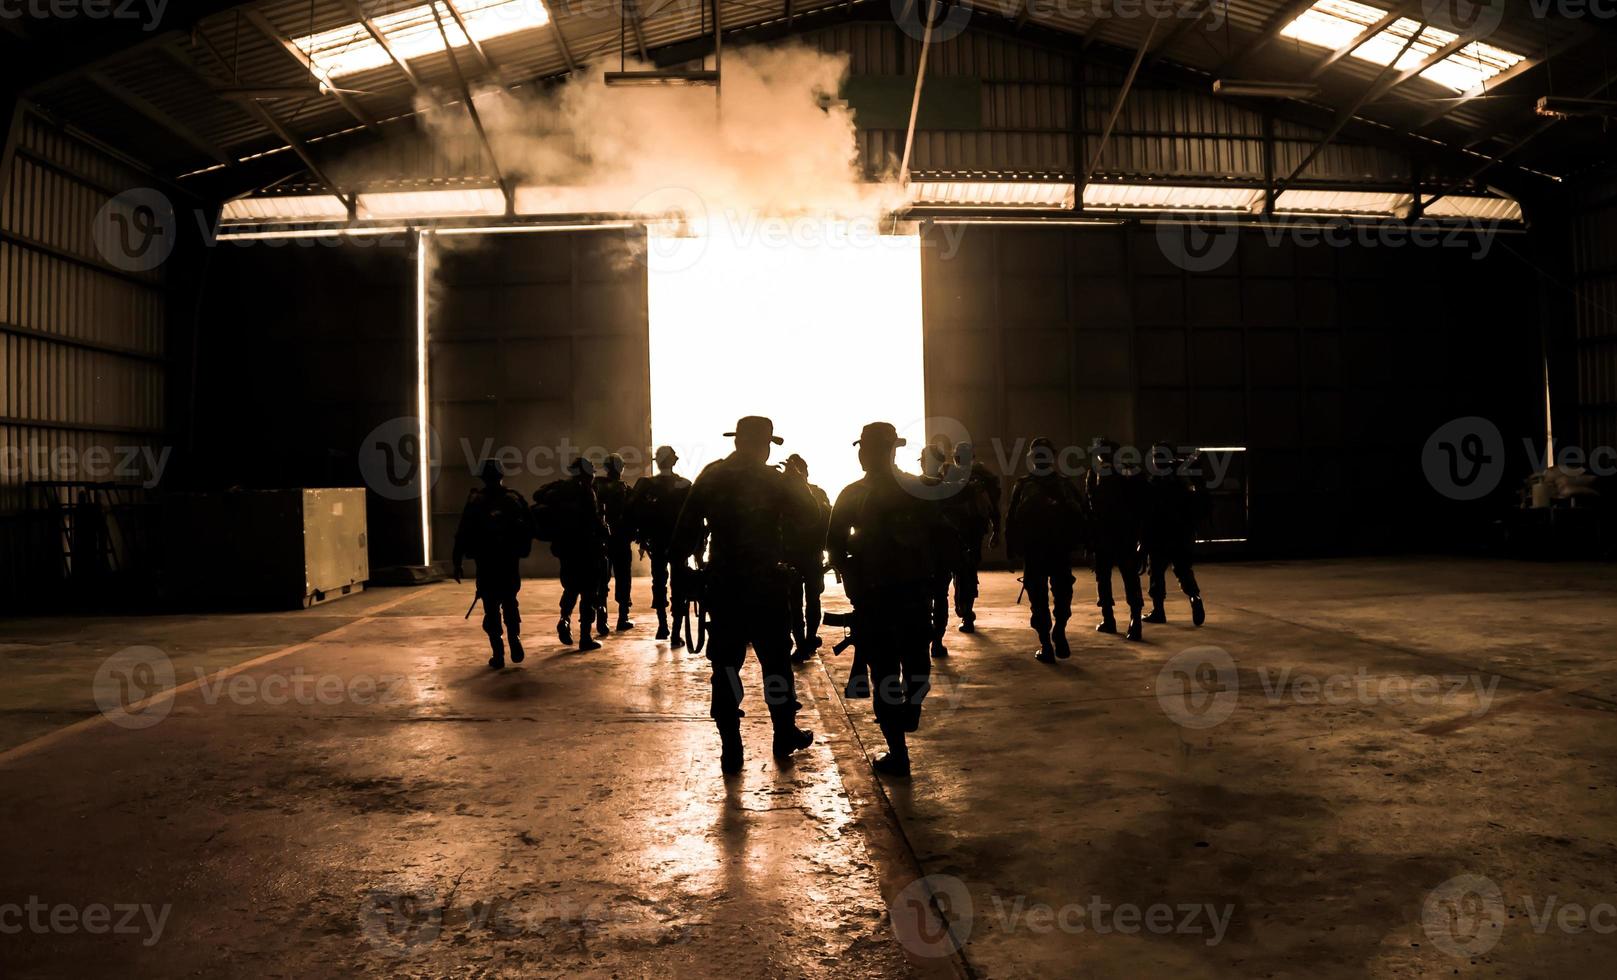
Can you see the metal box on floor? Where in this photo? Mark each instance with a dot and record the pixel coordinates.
(270, 548)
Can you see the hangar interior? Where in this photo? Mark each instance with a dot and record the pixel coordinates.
(301, 247)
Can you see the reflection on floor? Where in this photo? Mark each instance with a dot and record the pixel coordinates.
(1388, 768)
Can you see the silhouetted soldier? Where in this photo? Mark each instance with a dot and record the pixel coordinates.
(1117, 504)
(613, 494)
(948, 500)
(886, 540)
(1176, 499)
(1046, 522)
(496, 532)
(985, 486)
(569, 513)
(745, 506)
(653, 509)
(805, 552)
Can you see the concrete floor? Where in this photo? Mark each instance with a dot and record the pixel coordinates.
(1385, 768)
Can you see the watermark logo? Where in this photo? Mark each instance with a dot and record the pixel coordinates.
(1475, 19)
(1201, 246)
(1199, 688)
(948, 21)
(676, 226)
(400, 923)
(932, 916)
(1465, 458)
(129, 677)
(1464, 916)
(148, 12)
(136, 230)
(41, 918)
(392, 458)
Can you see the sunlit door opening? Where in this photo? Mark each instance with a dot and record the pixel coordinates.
(815, 326)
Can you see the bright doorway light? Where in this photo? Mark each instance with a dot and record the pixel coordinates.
(814, 324)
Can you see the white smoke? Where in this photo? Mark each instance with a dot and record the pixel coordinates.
(772, 140)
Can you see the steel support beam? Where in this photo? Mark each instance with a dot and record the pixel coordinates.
(632, 14)
(1346, 115)
(269, 120)
(358, 13)
(1271, 30)
(297, 54)
(1396, 14)
(160, 118)
(1122, 97)
(471, 109)
(477, 46)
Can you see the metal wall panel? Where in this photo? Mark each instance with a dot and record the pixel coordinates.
(82, 343)
(538, 342)
(1325, 361)
(1595, 327)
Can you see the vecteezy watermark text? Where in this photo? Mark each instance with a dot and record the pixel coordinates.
(43, 918)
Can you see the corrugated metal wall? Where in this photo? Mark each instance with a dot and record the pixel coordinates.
(1595, 329)
(538, 342)
(1332, 364)
(82, 341)
(307, 346)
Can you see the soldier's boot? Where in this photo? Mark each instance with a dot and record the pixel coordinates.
(731, 754)
(968, 622)
(1198, 613)
(564, 630)
(517, 653)
(939, 650)
(1059, 639)
(587, 642)
(788, 737)
(623, 617)
(662, 624)
(1108, 623)
(497, 660)
(895, 761)
(1047, 650)
(1157, 615)
(600, 621)
(675, 641)
(1136, 631)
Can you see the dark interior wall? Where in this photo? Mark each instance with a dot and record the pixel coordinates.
(1594, 334)
(304, 348)
(1332, 364)
(539, 345)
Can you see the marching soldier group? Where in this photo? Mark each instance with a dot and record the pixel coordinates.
(756, 540)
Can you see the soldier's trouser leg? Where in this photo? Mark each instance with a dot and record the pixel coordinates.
(1061, 579)
(659, 578)
(1130, 570)
(797, 596)
(900, 663)
(773, 645)
(1037, 580)
(621, 556)
(965, 579)
(813, 588)
(578, 585)
(1186, 574)
(940, 608)
(726, 654)
(498, 585)
(1159, 576)
(1104, 561)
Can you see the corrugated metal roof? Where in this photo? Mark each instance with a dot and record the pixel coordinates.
(227, 49)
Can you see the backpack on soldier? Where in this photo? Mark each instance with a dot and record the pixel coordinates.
(550, 511)
(503, 524)
(1047, 515)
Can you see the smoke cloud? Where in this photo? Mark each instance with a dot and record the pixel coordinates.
(773, 140)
